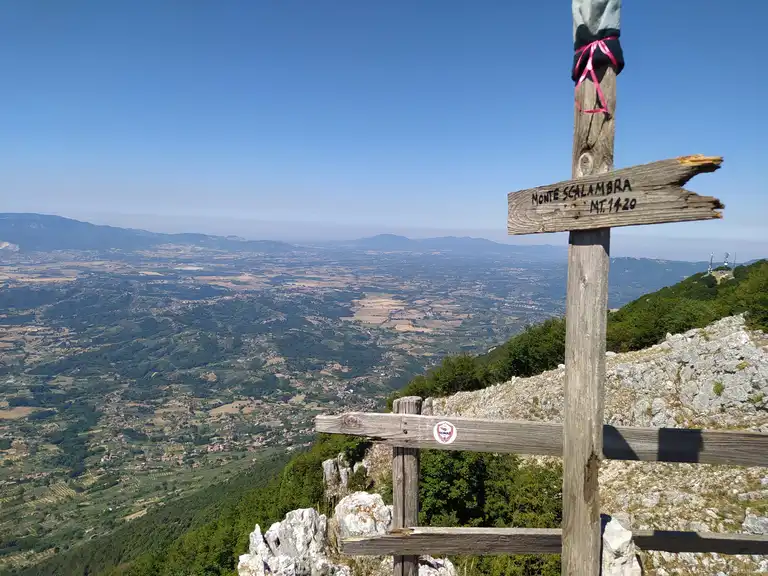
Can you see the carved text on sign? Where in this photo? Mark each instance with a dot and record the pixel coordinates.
(645, 194)
(612, 205)
(582, 191)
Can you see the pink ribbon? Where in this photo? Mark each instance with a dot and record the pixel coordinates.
(590, 69)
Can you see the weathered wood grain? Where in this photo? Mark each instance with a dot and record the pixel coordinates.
(586, 309)
(585, 326)
(456, 541)
(646, 194)
(477, 435)
(405, 488)
(546, 438)
(398, 495)
(540, 541)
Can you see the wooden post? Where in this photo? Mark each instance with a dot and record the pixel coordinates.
(596, 199)
(586, 310)
(405, 488)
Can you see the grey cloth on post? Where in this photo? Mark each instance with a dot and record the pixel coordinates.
(596, 20)
(596, 15)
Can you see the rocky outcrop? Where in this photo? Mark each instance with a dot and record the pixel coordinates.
(716, 378)
(296, 546)
(301, 545)
(336, 473)
(754, 524)
(429, 566)
(362, 514)
(619, 553)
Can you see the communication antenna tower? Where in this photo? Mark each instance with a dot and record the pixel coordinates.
(725, 262)
(711, 258)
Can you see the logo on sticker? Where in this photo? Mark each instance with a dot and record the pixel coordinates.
(444, 432)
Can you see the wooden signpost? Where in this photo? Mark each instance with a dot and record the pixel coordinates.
(596, 199)
(588, 206)
(646, 194)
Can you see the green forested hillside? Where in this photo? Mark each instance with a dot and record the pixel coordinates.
(157, 530)
(692, 303)
(203, 534)
(456, 488)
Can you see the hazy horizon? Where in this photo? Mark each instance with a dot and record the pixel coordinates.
(626, 241)
(269, 120)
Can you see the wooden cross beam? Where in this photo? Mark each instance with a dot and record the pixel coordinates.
(597, 199)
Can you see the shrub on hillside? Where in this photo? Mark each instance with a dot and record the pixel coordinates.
(494, 490)
(692, 303)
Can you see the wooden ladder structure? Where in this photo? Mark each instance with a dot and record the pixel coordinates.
(409, 429)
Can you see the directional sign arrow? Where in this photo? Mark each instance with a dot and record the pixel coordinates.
(644, 194)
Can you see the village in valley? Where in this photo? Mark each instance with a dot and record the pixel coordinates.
(131, 377)
(134, 377)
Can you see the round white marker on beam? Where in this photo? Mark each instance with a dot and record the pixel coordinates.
(444, 432)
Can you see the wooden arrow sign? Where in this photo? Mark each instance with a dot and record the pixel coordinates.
(645, 194)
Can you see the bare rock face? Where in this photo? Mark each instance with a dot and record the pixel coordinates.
(300, 545)
(363, 514)
(619, 553)
(297, 546)
(755, 524)
(336, 473)
(428, 566)
(714, 378)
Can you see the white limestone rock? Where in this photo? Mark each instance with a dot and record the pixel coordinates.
(297, 546)
(429, 566)
(363, 514)
(300, 545)
(755, 524)
(336, 473)
(619, 554)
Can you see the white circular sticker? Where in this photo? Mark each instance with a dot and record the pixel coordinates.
(444, 432)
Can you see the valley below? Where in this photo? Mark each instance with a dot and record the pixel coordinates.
(136, 374)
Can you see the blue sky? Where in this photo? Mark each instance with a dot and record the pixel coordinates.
(378, 116)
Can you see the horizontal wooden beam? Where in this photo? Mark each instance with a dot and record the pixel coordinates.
(646, 194)
(546, 438)
(539, 541)
(472, 434)
(456, 541)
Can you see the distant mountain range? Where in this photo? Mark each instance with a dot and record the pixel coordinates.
(44, 233)
(464, 245)
(29, 232)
